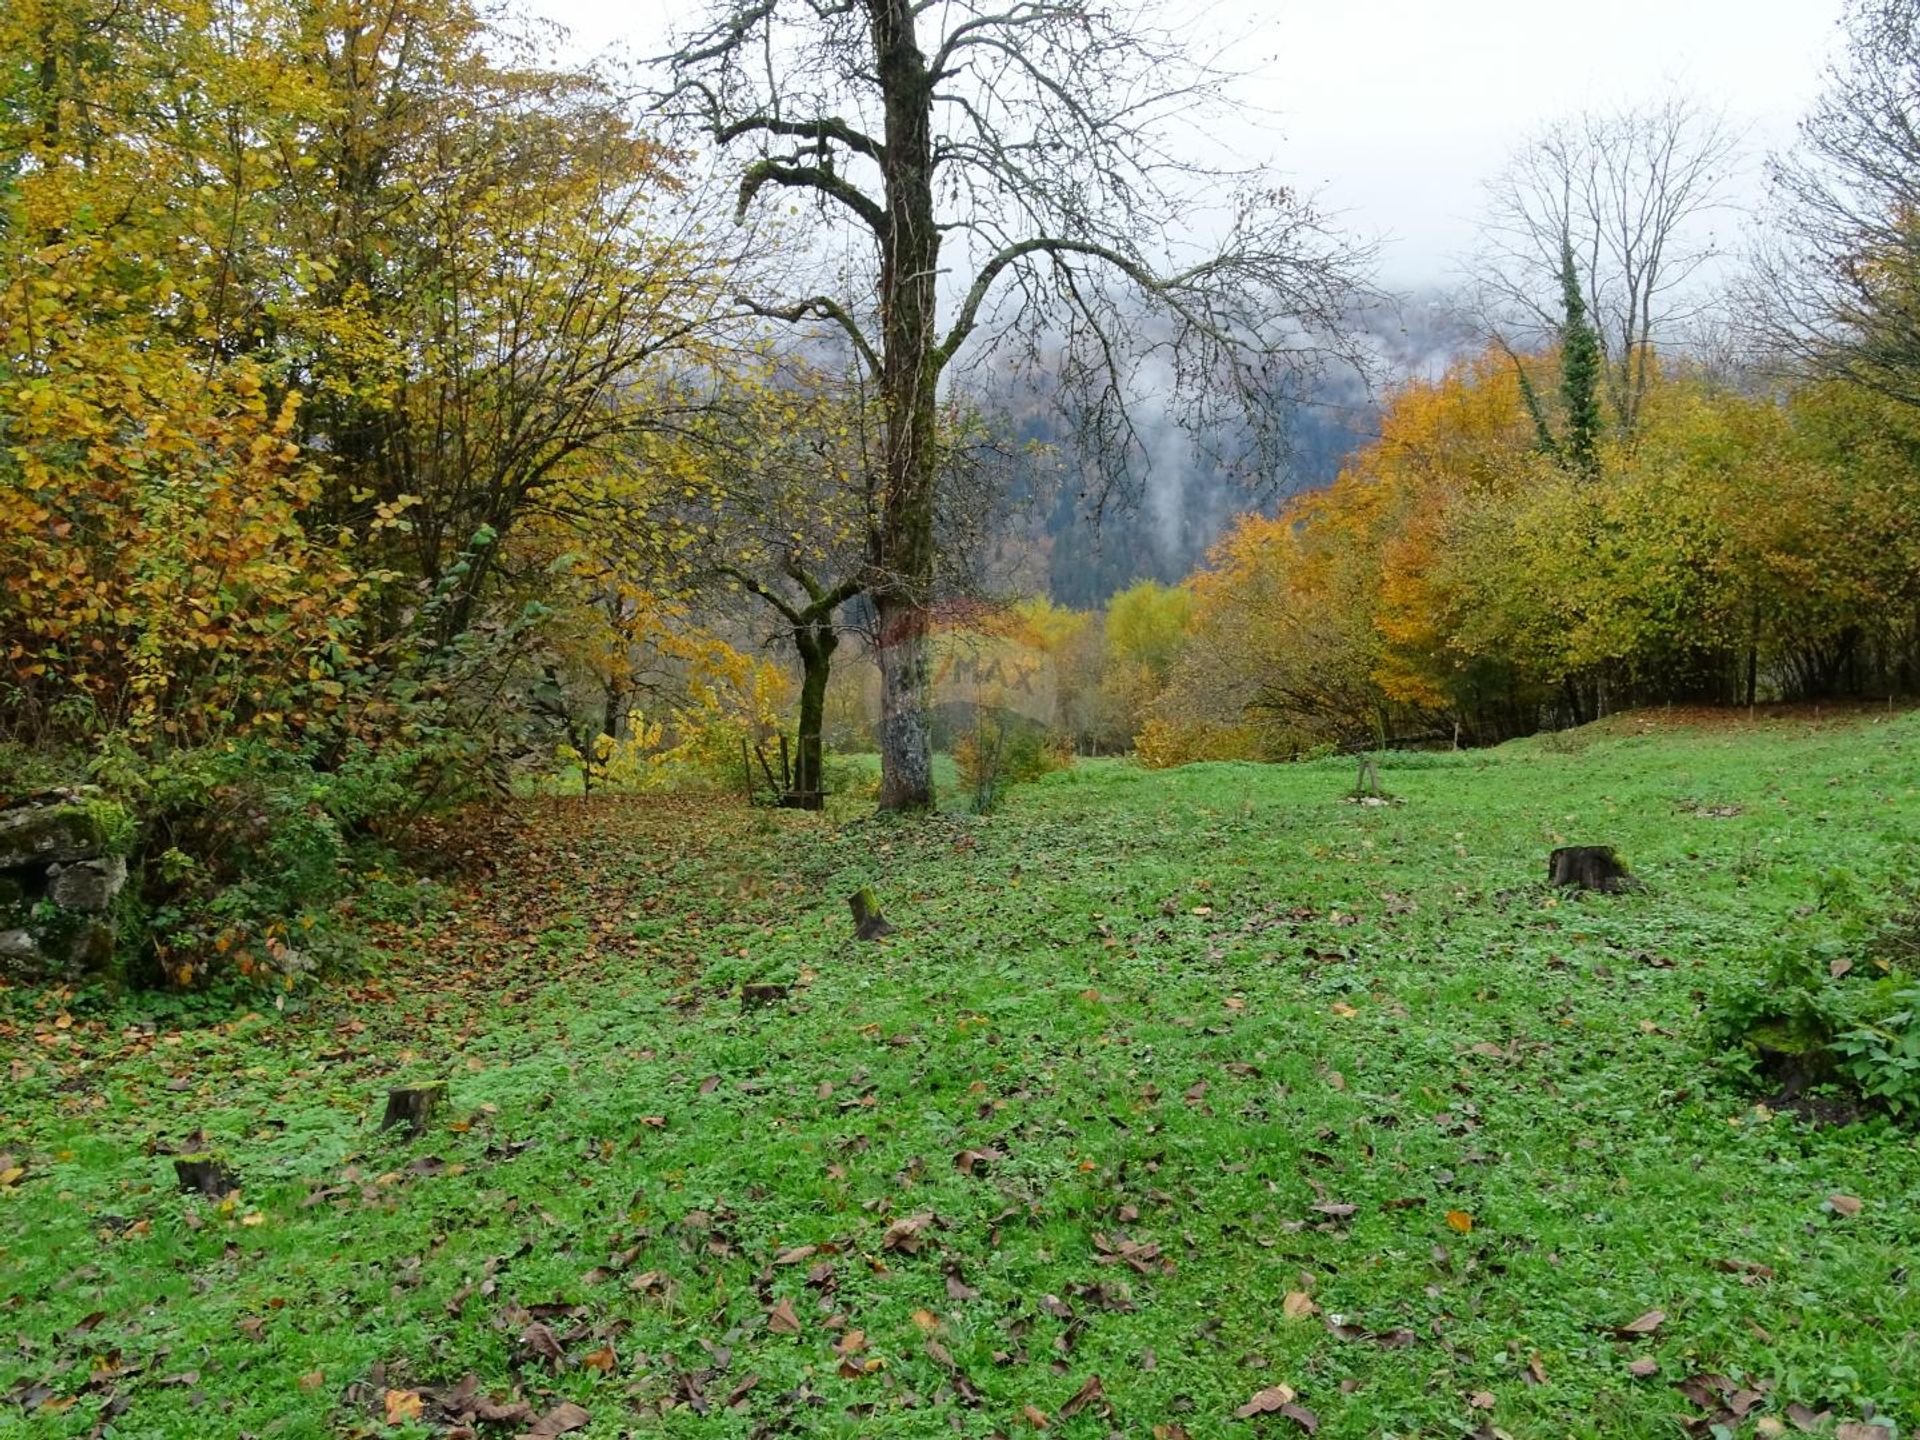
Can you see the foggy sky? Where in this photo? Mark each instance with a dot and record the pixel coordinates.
(1395, 111)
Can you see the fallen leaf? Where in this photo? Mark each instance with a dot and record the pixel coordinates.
(1035, 1417)
(781, 1319)
(1480, 1400)
(1298, 1305)
(1460, 1220)
(603, 1360)
(1644, 1325)
(402, 1406)
(539, 1339)
(1265, 1402)
(1301, 1416)
(904, 1234)
(563, 1418)
(1861, 1430)
(1846, 1205)
(1642, 1367)
(1086, 1395)
(926, 1320)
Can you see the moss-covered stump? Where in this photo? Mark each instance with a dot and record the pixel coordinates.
(413, 1107)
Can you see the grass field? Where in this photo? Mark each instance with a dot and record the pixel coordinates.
(1173, 1093)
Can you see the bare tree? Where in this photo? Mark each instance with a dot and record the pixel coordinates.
(1007, 164)
(1835, 284)
(1628, 192)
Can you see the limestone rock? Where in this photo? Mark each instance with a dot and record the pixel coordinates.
(50, 835)
(87, 885)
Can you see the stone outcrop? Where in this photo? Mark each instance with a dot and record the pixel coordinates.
(62, 873)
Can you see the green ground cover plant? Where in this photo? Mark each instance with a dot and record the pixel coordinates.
(1183, 1103)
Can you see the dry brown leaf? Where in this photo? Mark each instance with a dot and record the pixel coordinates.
(903, 1234)
(402, 1406)
(1460, 1220)
(1086, 1395)
(562, 1419)
(1845, 1205)
(1644, 1325)
(1265, 1402)
(539, 1339)
(1298, 1305)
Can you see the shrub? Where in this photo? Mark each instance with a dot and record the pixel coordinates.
(1812, 1017)
(1001, 751)
(242, 848)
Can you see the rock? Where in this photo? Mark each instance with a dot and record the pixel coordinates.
(61, 879)
(87, 885)
(52, 834)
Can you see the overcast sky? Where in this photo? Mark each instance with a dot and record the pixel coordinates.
(1395, 111)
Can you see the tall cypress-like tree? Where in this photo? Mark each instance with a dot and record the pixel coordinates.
(1579, 369)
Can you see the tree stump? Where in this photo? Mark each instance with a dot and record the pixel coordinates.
(755, 997)
(413, 1107)
(1588, 867)
(868, 922)
(205, 1174)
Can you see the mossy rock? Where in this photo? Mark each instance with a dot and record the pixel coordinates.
(43, 942)
(37, 835)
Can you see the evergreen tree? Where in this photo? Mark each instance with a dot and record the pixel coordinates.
(1579, 369)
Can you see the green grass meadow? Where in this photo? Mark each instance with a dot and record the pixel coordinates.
(1203, 1083)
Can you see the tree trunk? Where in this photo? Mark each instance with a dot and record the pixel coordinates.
(816, 645)
(903, 545)
(906, 747)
